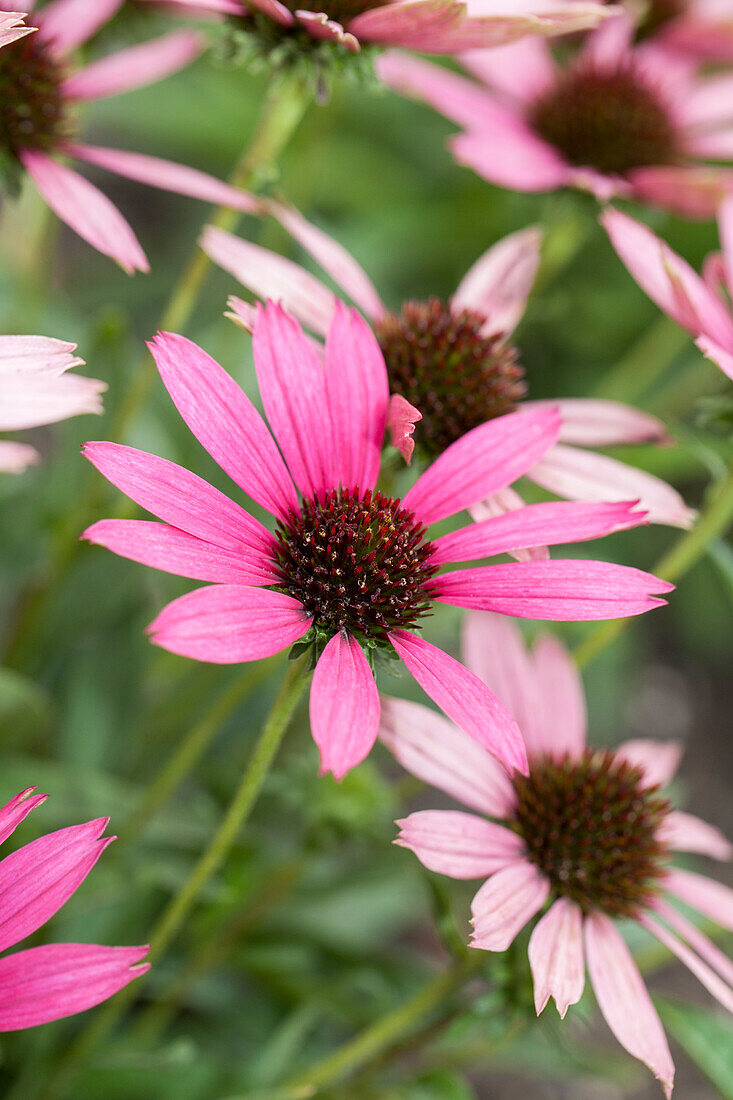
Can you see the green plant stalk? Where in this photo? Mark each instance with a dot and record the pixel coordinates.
(178, 908)
(644, 363)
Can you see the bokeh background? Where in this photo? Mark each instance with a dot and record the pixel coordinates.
(318, 926)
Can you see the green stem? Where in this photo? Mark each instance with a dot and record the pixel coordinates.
(644, 363)
(178, 908)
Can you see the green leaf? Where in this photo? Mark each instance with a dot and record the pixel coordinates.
(706, 1036)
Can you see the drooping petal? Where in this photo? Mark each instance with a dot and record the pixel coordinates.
(562, 699)
(401, 420)
(687, 833)
(704, 974)
(659, 760)
(624, 1000)
(229, 623)
(711, 898)
(589, 422)
(15, 811)
(505, 903)
(15, 458)
(690, 190)
(719, 356)
(134, 67)
(344, 706)
(30, 400)
(66, 24)
(457, 844)
(499, 283)
(57, 980)
(725, 226)
(465, 699)
(423, 25)
(556, 956)
(482, 461)
(225, 422)
(440, 754)
(37, 355)
(521, 71)
(459, 99)
(704, 946)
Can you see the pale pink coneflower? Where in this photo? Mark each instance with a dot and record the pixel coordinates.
(45, 983)
(39, 91)
(348, 569)
(12, 27)
(616, 120)
(700, 304)
(453, 363)
(586, 832)
(35, 390)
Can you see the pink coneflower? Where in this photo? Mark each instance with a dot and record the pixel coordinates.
(618, 119)
(587, 831)
(700, 305)
(46, 983)
(12, 27)
(455, 362)
(38, 92)
(35, 389)
(348, 569)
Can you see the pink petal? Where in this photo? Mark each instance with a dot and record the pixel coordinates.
(712, 899)
(690, 191)
(725, 226)
(705, 948)
(162, 547)
(229, 623)
(712, 982)
(521, 71)
(562, 590)
(242, 313)
(457, 98)
(357, 391)
(293, 387)
(320, 27)
(535, 525)
(15, 458)
(719, 356)
(588, 422)
(717, 145)
(499, 283)
(482, 461)
(11, 27)
(344, 706)
(422, 25)
(225, 422)
(85, 210)
(37, 354)
(659, 760)
(401, 420)
(709, 100)
(134, 67)
(440, 754)
(505, 903)
(623, 998)
(28, 401)
(36, 880)
(609, 45)
(687, 833)
(15, 811)
(498, 504)
(506, 152)
(464, 698)
(562, 699)
(179, 497)
(70, 23)
(556, 956)
(56, 980)
(274, 10)
(459, 845)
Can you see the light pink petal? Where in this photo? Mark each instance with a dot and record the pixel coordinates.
(562, 699)
(499, 283)
(548, 524)
(27, 401)
(486, 459)
(583, 475)
(242, 313)
(11, 27)
(440, 754)
(179, 497)
(423, 25)
(85, 210)
(459, 99)
(705, 948)
(704, 974)
(268, 275)
(358, 395)
(15, 458)
(225, 422)
(459, 845)
(659, 760)
(162, 547)
(712, 899)
(401, 420)
(725, 226)
(57, 980)
(719, 356)
(134, 67)
(36, 355)
(229, 623)
(15, 811)
(320, 27)
(588, 422)
(623, 998)
(505, 903)
(36, 880)
(691, 191)
(521, 71)
(556, 956)
(717, 145)
(561, 590)
(344, 706)
(464, 698)
(709, 100)
(687, 833)
(506, 152)
(67, 24)
(167, 176)
(274, 10)
(608, 46)
(498, 504)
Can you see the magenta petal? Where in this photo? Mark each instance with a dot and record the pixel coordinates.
(401, 420)
(711, 898)
(556, 956)
(465, 699)
(457, 844)
(134, 67)
(15, 811)
(686, 833)
(67, 24)
(505, 903)
(229, 623)
(225, 422)
(56, 980)
(482, 461)
(344, 706)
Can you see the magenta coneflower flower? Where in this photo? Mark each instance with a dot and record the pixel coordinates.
(702, 305)
(348, 569)
(38, 93)
(586, 832)
(35, 389)
(46, 983)
(618, 119)
(12, 27)
(455, 362)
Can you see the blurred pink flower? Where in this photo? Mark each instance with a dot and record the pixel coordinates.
(12, 27)
(586, 830)
(35, 390)
(46, 983)
(454, 362)
(348, 568)
(36, 108)
(617, 120)
(699, 28)
(702, 305)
